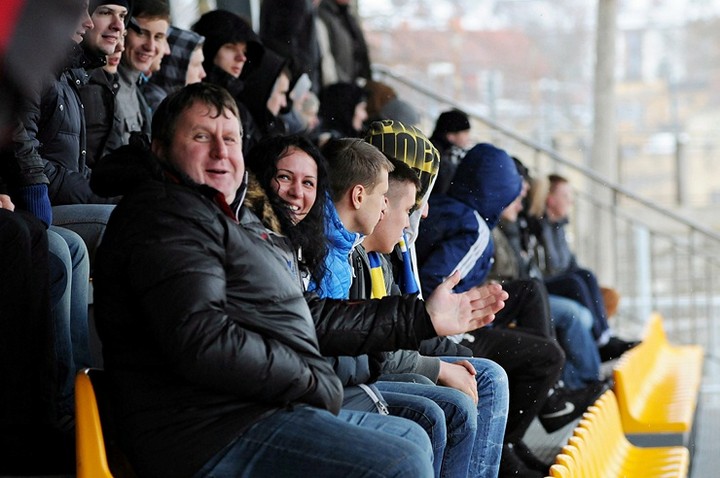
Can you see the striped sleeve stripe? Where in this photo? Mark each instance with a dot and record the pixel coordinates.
(468, 261)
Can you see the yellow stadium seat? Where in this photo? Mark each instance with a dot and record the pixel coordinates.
(93, 459)
(89, 441)
(657, 384)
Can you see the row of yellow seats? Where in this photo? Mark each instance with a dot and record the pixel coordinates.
(599, 449)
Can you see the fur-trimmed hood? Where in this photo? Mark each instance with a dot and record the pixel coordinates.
(257, 200)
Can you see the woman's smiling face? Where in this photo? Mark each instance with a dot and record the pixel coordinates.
(296, 182)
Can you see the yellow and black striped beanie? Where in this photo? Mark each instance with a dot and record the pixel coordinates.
(409, 145)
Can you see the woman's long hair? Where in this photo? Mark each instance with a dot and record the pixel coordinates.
(307, 236)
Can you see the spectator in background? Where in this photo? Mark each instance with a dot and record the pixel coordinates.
(343, 111)
(146, 41)
(378, 95)
(103, 128)
(572, 322)
(309, 108)
(563, 276)
(183, 66)
(452, 138)
(266, 95)
(346, 44)
(288, 28)
(231, 50)
(402, 111)
(55, 128)
(383, 103)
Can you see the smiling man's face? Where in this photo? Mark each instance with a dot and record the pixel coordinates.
(146, 40)
(108, 21)
(207, 146)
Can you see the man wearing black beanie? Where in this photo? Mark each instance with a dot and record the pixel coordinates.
(452, 139)
(110, 19)
(98, 96)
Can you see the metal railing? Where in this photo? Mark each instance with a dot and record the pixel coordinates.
(663, 261)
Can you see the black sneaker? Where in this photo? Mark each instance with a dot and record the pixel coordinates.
(523, 452)
(564, 406)
(615, 348)
(512, 466)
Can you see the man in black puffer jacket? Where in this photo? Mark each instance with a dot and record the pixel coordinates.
(213, 354)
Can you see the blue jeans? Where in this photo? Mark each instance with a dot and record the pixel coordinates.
(492, 413)
(88, 220)
(452, 431)
(405, 400)
(582, 286)
(474, 433)
(307, 441)
(69, 276)
(573, 327)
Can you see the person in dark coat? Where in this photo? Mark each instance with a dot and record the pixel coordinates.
(562, 273)
(103, 130)
(266, 94)
(54, 135)
(231, 50)
(452, 139)
(343, 110)
(346, 41)
(288, 28)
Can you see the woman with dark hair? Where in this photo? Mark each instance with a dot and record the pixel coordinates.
(293, 175)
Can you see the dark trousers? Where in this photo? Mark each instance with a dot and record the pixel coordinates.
(582, 286)
(29, 442)
(25, 332)
(527, 307)
(533, 364)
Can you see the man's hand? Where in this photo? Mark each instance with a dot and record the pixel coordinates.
(453, 313)
(6, 202)
(460, 376)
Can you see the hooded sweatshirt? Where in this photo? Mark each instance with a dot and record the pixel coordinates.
(456, 234)
(408, 144)
(259, 84)
(173, 71)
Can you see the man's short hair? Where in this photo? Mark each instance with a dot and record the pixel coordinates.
(554, 180)
(352, 162)
(165, 118)
(155, 9)
(402, 173)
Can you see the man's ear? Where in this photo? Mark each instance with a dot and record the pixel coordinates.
(357, 195)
